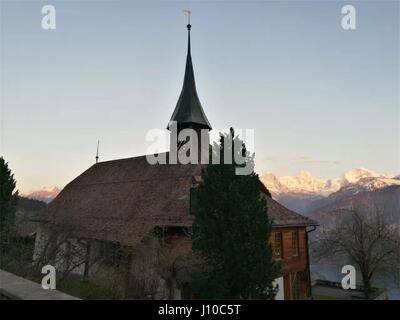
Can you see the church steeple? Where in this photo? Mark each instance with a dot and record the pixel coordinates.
(188, 112)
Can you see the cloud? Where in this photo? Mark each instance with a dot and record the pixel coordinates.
(310, 160)
(272, 158)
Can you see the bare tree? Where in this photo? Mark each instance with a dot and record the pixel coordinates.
(160, 266)
(365, 237)
(149, 268)
(180, 268)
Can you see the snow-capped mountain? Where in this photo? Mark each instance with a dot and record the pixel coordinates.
(367, 184)
(305, 192)
(46, 194)
(306, 183)
(371, 183)
(355, 175)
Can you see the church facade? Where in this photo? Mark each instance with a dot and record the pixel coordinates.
(138, 217)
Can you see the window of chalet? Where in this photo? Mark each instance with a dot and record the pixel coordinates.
(295, 243)
(278, 245)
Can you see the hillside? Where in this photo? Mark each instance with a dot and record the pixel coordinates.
(386, 200)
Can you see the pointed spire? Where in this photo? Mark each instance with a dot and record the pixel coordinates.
(188, 110)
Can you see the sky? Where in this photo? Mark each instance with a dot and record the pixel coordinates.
(318, 97)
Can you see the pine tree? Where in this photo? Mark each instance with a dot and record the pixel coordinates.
(232, 231)
(8, 201)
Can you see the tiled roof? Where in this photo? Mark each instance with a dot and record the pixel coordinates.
(123, 200)
(283, 217)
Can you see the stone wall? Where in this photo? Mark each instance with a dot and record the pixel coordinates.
(13, 287)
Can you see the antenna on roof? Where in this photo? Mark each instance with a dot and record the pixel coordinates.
(97, 153)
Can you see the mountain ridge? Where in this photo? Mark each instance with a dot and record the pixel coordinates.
(46, 194)
(304, 193)
(305, 182)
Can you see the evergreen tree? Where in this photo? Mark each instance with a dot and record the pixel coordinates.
(232, 230)
(8, 201)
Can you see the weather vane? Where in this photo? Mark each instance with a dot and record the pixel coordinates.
(188, 13)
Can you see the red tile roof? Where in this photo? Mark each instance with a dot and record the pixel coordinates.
(123, 200)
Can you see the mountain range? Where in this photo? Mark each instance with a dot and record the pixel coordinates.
(310, 195)
(306, 193)
(386, 200)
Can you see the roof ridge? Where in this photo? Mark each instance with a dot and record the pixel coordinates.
(135, 180)
(131, 158)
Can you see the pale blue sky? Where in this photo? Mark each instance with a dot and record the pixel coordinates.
(319, 98)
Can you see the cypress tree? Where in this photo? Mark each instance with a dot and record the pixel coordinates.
(8, 201)
(232, 230)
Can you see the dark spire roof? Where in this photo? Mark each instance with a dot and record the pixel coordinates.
(188, 109)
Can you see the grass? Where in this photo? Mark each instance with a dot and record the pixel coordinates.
(83, 289)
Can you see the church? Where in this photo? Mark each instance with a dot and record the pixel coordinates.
(138, 217)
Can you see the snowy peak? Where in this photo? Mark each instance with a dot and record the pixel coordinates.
(45, 194)
(371, 183)
(306, 183)
(355, 175)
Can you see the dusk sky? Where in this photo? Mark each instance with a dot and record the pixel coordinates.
(320, 98)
